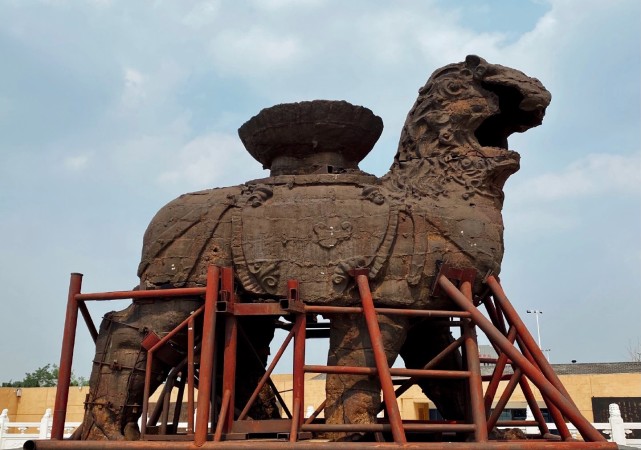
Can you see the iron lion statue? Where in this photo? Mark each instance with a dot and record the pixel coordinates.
(318, 216)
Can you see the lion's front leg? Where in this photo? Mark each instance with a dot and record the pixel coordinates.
(353, 399)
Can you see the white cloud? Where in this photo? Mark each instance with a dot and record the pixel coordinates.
(134, 88)
(212, 160)
(202, 14)
(592, 175)
(77, 162)
(529, 223)
(281, 4)
(254, 52)
(5, 107)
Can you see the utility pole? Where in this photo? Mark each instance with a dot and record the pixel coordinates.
(536, 312)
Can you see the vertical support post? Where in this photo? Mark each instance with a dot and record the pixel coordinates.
(385, 377)
(179, 402)
(145, 395)
(218, 432)
(298, 393)
(166, 403)
(66, 358)
(474, 366)
(207, 355)
(231, 347)
(190, 376)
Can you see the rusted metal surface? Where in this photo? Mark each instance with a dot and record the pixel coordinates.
(122, 295)
(307, 445)
(416, 373)
(88, 320)
(403, 312)
(526, 336)
(545, 386)
(505, 397)
(298, 394)
(207, 356)
(226, 428)
(190, 375)
(266, 376)
(230, 352)
(66, 357)
(501, 363)
(474, 367)
(380, 357)
(499, 322)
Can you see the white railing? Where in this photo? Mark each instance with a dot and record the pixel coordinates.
(615, 428)
(15, 434)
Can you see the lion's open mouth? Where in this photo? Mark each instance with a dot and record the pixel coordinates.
(516, 115)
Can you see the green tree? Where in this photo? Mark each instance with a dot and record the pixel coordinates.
(45, 376)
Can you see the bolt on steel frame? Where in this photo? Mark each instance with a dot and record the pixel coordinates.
(514, 344)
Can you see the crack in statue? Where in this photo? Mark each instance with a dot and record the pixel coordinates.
(317, 217)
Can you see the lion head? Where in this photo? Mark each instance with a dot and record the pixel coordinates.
(456, 134)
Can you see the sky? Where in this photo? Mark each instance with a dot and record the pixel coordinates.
(110, 109)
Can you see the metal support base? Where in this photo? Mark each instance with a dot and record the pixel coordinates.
(504, 328)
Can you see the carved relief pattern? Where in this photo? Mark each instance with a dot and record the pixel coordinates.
(267, 274)
(329, 237)
(259, 194)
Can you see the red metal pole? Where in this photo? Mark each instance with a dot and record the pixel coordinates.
(583, 426)
(190, 376)
(146, 394)
(499, 322)
(526, 336)
(505, 397)
(124, 295)
(90, 325)
(322, 309)
(315, 414)
(266, 375)
(380, 357)
(179, 401)
(231, 350)
(534, 407)
(298, 394)
(66, 358)
(166, 402)
(207, 356)
(436, 360)
(307, 445)
(493, 386)
(555, 413)
(224, 408)
(474, 366)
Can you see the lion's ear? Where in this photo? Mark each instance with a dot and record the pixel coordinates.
(471, 61)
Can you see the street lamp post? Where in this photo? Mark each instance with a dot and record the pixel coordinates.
(536, 312)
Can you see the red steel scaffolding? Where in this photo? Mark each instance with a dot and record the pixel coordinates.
(229, 428)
